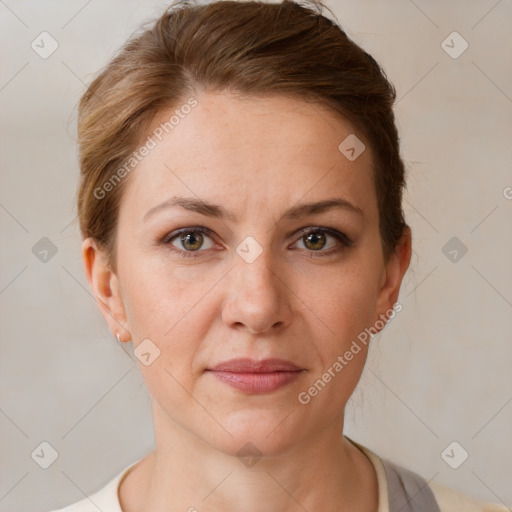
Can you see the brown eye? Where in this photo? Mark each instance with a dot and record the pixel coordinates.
(192, 241)
(315, 241)
(189, 241)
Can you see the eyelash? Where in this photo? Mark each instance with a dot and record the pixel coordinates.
(341, 237)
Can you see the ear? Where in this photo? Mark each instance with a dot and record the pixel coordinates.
(391, 279)
(105, 287)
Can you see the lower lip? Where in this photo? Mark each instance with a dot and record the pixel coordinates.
(257, 382)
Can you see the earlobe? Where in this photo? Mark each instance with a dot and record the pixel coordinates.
(105, 286)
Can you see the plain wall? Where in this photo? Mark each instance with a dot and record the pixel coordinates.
(439, 372)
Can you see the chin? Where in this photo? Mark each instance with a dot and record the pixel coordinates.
(264, 434)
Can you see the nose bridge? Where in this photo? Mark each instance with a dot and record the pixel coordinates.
(256, 296)
(255, 265)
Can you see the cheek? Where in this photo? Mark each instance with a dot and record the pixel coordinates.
(171, 307)
(344, 301)
(162, 299)
(345, 311)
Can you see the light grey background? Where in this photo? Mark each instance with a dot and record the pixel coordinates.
(441, 370)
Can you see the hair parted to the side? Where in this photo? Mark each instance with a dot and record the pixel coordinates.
(245, 47)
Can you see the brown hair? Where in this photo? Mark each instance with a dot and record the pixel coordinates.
(247, 47)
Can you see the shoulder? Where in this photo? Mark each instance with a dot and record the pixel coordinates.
(85, 505)
(401, 489)
(80, 506)
(432, 496)
(106, 499)
(450, 500)
(97, 501)
(408, 486)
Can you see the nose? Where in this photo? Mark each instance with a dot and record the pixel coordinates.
(257, 298)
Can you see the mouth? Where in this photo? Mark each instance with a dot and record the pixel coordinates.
(255, 377)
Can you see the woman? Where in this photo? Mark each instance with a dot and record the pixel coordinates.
(240, 204)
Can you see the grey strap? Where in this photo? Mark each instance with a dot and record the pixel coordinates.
(408, 491)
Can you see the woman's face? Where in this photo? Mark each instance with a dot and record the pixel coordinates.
(260, 280)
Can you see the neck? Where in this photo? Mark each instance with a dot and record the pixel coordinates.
(324, 472)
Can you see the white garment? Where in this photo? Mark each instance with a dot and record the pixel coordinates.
(448, 500)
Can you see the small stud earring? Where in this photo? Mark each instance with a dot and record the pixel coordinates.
(118, 337)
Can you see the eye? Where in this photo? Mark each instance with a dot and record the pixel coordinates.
(316, 239)
(190, 240)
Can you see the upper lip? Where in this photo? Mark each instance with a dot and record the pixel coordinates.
(246, 365)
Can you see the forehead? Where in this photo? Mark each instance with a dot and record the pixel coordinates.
(257, 151)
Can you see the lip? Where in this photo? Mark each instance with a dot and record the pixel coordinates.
(246, 365)
(255, 377)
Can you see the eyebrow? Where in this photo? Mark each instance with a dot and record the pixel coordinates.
(217, 211)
